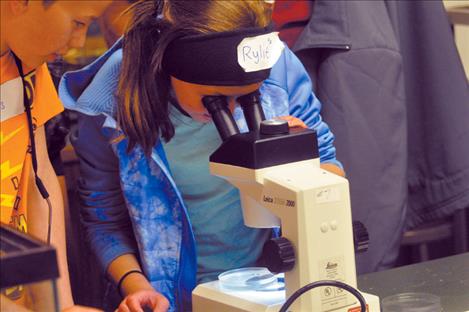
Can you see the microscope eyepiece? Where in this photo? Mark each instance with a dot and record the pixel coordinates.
(252, 109)
(253, 97)
(217, 106)
(214, 103)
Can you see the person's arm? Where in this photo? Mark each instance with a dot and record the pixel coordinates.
(290, 75)
(106, 218)
(135, 288)
(103, 211)
(38, 215)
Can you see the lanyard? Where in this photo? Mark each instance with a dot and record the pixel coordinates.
(27, 106)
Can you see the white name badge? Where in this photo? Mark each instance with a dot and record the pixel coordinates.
(11, 99)
(260, 52)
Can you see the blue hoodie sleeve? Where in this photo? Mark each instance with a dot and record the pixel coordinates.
(103, 210)
(290, 75)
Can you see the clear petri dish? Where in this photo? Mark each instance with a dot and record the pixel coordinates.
(411, 302)
(251, 278)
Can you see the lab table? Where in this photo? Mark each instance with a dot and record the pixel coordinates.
(447, 278)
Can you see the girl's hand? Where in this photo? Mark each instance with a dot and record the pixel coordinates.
(293, 121)
(333, 168)
(150, 299)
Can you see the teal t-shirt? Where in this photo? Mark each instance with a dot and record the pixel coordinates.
(223, 241)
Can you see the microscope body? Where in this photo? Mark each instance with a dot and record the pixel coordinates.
(281, 184)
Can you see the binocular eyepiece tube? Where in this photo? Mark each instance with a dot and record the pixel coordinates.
(217, 106)
(252, 109)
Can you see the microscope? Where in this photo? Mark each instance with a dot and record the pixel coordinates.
(281, 184)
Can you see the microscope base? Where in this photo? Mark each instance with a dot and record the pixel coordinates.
(211, 297)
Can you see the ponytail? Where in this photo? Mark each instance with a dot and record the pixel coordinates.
(142, 112)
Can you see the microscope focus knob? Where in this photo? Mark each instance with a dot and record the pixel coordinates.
(279, 255)
(274, 126)
(361, 238)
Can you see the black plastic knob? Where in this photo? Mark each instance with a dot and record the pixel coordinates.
(274, 126)
(279, 255)
(361, 239)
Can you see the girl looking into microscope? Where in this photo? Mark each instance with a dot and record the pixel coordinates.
(157, 220)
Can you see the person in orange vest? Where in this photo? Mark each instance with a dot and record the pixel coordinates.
(33, 33)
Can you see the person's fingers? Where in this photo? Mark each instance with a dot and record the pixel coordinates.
(135, 303)
(162, 304)
(151, 299)
(123, 307)
(293, 121)
(296, 123)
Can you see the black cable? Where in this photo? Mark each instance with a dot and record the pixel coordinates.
(312, 285)
(27, 105)
(49, 221)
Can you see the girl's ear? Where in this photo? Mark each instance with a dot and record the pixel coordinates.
(18, 8)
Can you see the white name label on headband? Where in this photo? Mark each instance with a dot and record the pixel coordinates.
(260, 52)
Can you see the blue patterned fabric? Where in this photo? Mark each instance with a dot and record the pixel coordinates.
(156, 211)
(143, 212)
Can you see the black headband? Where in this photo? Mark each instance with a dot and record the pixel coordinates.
(212, 59)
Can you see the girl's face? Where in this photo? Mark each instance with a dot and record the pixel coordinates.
(189, 96)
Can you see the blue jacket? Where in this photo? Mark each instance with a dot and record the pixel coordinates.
(130, 202)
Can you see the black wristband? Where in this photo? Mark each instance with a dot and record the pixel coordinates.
(121, 280)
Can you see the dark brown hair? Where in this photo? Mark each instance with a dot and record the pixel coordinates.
(143, 92)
